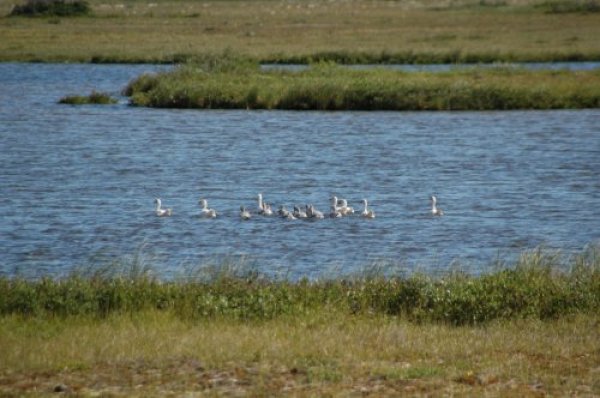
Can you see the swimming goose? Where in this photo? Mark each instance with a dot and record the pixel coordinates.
(434, 209)
(299, 213)
(261, 209)
(314, 213)
(283, 212)
(160, 212)
(335, 212)
(205, 211)
(366, 212)
(344, 208)
(267, 211)
(290, 216)
(244, 214)
(334, 202)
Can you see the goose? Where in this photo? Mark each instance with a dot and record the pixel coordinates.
(267, 211)
(244, 214)
(344, 208)
(309, 211)
(366, 212)
(335, 212)
(334, 202)
(205, 211)
(290, 216)
(315, 213)
(434, 209)
(299, 213)
(283, 212)
(261, 204)
(160, 212)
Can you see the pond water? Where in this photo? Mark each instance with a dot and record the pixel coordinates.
(573, 66)
(77, 183)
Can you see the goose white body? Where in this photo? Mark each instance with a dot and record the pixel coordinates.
(205, 211)
(160, 212)
(435, 211)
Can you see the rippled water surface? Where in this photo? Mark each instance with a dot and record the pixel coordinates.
(77, 183)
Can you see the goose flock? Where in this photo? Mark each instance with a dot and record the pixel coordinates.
(338, 208)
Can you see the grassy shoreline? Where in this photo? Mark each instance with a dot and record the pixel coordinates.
(538, 285)
(528, 329)
(240, 84)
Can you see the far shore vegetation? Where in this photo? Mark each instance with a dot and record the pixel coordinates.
(279, 31)
(528, 328)
(230, 83)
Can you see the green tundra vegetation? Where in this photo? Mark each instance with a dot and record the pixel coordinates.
(356, 31)
(326, 86)
(529, 328)
(537, 286)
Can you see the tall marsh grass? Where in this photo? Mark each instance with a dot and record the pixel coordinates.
(539, 285)
(327, 86)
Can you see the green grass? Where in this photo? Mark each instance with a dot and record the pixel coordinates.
(534, 287)
(326, 86)
(278, 31)
(326, 354)
(94, 98)
(527, 329)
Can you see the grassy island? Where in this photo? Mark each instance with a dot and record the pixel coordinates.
(327, 86)
(527, 329)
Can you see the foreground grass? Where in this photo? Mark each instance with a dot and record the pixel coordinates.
(528, 329)
(156, 353)
(283, 31)
(331, 87)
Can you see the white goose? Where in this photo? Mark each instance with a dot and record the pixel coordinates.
(344, 208)
(334, 202)
(244, 214)
(335, 212)
(160, 212)
(267, 211)
(366, 212)
(262, 206)
(434, 209)
(314, 213)
(299, 213)
(205, 211)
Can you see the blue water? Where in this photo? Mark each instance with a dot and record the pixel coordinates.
(77, 183)
(573, 66)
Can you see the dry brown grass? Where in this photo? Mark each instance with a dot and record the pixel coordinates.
(138, 31)
(156, 354)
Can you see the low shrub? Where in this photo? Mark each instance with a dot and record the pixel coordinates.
(570, 6)
(58, 8)
(93, 98)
